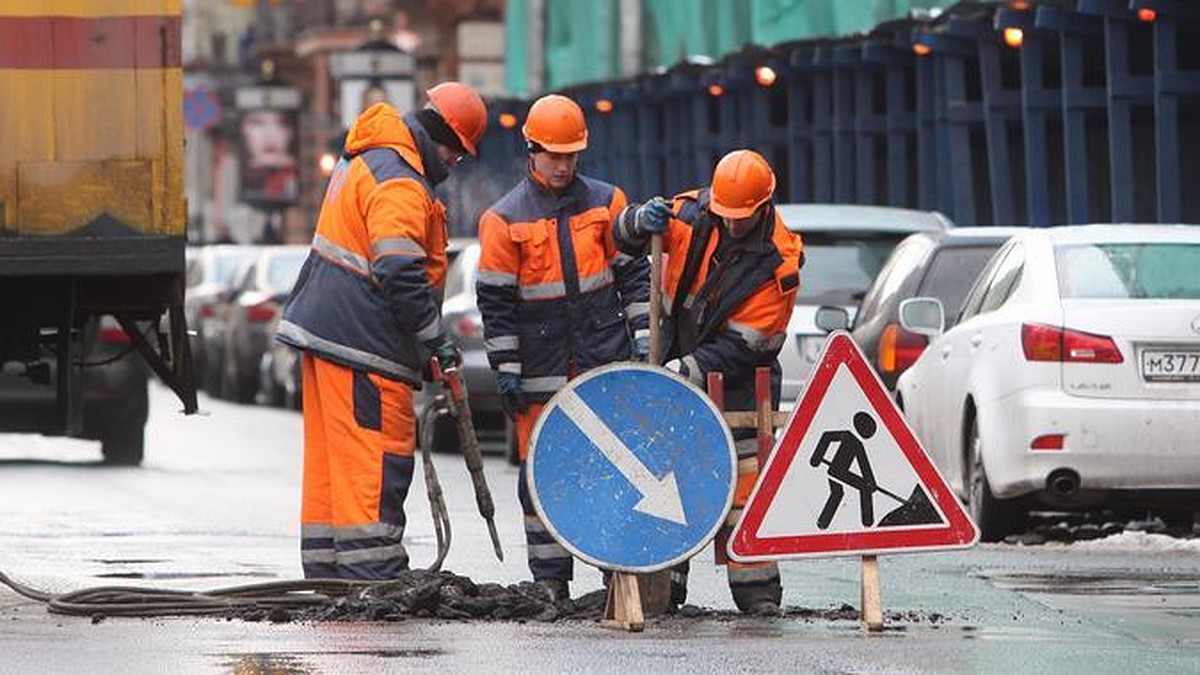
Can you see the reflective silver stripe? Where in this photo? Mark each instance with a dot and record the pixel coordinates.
(502, 343)
(635, 309)
(404, 245)
(747, 466)
(604, 278)
(341, 256)
(512, 367)
(492, 278)
(622, 259)
(746, 447)
(694, 373)
(678, 578)
(553, 289)
(430, 330)
(534, 525)
(626, 225)
(735, 514)
(745, 574)
(756, 339)
(547, 551)
(306, 340)
(318, 555)
(391, 552)
(641, 333)
(689, 301)
(316, 531)
(667, 301)
(543, 384)
(369, 531)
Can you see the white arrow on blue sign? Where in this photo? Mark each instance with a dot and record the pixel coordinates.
(631, 468)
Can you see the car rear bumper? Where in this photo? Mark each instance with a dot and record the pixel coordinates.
(1110, 444)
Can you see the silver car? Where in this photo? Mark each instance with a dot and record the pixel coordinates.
(844, 248)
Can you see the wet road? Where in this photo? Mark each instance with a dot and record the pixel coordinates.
(216, 502)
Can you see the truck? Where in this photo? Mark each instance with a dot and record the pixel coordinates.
(92, 218)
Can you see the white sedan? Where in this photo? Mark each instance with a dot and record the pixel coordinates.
(1072, 377)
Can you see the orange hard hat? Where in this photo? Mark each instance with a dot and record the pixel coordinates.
(556, 123)
(459, 104)
(741, 183)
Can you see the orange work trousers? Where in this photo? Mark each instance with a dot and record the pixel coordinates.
(359, 437)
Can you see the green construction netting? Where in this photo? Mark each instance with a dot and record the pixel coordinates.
(581, 38)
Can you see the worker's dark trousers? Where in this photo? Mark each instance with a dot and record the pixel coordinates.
(547, 558)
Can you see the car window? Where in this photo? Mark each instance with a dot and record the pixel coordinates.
(1150, 270)
(950, 273)
(906, 256)
(1008, 273)
(839, 269)
(979, 288)
(228, 263)
(283, 270)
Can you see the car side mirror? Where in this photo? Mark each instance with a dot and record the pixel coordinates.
(923, 316)
(830, 319)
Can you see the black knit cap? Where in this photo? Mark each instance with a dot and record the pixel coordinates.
(437, 128)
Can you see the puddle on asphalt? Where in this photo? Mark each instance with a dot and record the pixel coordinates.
(1097, 583)
(298, 663)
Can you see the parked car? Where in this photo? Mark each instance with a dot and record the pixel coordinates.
(462, 322)
(113, 383)
(1072, 378)
(209, 280)
(263, 286)
(939, 265)
(844, 248)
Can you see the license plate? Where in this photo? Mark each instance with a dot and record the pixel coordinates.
(1162, 365)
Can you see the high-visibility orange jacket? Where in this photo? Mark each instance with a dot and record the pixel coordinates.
(733, 316)
(556, 296)
(369, 294)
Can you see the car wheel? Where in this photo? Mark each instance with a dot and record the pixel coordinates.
(124, 447)
(512, 451)
(996, 518)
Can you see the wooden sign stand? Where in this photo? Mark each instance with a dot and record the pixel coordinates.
(872, 601)
(623, 609)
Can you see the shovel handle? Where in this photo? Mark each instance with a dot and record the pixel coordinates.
(656, 254)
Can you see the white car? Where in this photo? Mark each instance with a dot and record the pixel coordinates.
(1072, 377)
(844, 247)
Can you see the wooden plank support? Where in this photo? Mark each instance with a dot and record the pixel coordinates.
(623, 609)
(872, 600)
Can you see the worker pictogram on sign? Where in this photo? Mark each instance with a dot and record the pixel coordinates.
(847, 476)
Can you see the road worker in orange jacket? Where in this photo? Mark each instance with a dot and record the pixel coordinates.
(366, 312)
(730, 282)
(556, 296)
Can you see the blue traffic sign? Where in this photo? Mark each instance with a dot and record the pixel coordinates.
(632, 468)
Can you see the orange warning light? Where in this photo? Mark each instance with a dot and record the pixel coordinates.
(715, 90)
(604, 105)
(765, 75)
(508, 120)
(1147, 15)
(922, 49)
(1014, 37)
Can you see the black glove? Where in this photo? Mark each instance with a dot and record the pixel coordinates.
(512, 396)
(446, 352)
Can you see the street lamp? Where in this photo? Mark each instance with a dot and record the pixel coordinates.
(376, 71)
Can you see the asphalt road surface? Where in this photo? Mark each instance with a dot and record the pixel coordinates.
(216, 505)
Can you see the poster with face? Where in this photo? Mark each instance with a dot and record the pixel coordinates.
(268, 157)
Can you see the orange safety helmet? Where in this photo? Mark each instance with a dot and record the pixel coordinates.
(556, 123)
(741, 183)
(459, 104)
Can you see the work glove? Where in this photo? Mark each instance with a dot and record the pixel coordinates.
(652, 217)
(446, 352)
(641, 348)
(512, 396)
(678, 366)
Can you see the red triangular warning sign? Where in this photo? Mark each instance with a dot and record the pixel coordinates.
(847, 476)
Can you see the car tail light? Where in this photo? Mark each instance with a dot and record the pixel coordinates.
(899, 348)
(468, 326)
(260, 313)
(1052, 343)
(110, 332)
(207, 310)
(1048, 442)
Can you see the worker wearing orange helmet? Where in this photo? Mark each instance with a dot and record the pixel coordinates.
(730, 282)
(366, 312)
(557, 297)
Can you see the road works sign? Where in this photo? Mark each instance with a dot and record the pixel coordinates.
(848, 476)
(631, 468)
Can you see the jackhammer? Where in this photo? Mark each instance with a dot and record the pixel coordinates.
(453, 401)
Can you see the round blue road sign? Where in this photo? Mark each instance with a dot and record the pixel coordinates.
(632, 468)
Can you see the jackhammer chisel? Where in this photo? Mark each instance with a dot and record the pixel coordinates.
(459, 408)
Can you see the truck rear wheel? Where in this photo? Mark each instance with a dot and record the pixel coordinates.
(124, 447)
